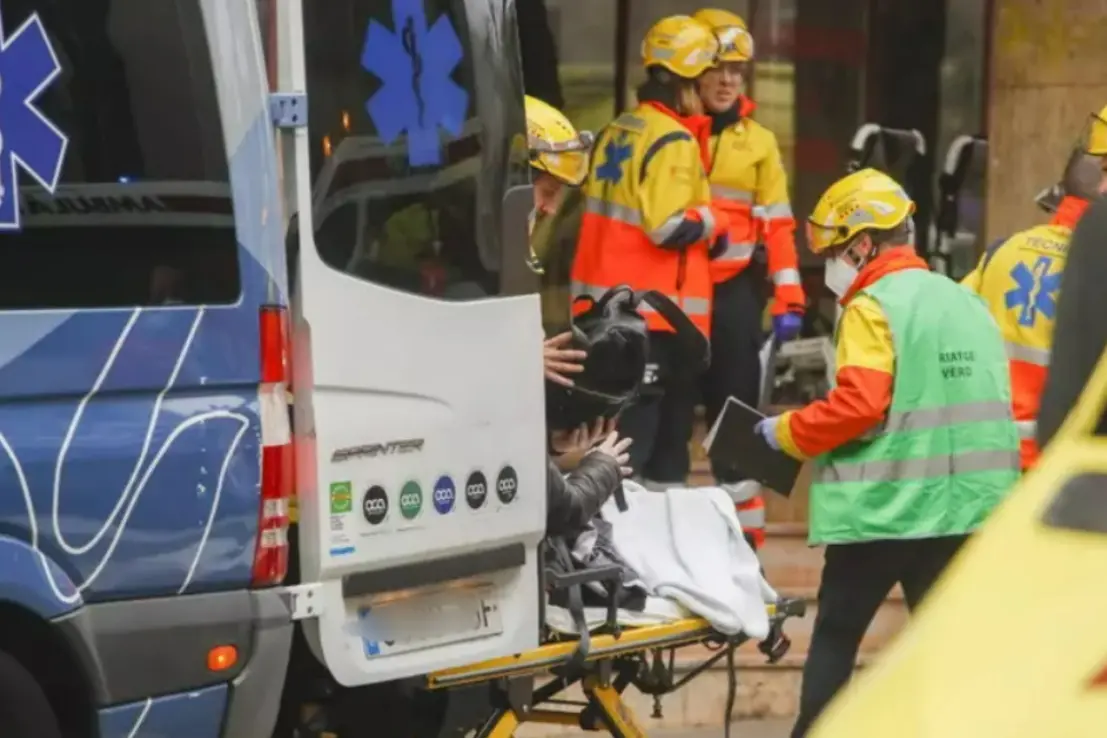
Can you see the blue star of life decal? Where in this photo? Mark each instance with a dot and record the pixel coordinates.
(417, 94)
(28, 139)
(616, 153)
(1035, 291)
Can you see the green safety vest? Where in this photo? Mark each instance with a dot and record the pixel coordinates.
(949, 450)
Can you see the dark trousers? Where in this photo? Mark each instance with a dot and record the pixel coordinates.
(736, 338)
(661, 421)
(856, 579)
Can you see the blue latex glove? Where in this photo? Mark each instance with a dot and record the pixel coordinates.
(787, 326)
(767, 429)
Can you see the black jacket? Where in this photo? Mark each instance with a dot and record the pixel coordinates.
(572, 500)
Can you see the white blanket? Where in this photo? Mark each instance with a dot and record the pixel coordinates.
(687, 546)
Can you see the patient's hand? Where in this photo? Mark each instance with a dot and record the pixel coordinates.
(570, 446)
(616, 448)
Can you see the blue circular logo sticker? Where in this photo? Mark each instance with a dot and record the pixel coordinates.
(444, 495)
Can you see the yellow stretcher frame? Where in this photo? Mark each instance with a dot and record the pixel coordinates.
(604, 665)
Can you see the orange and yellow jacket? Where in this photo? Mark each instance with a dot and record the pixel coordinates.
(648, 219)
(865, 369)
(1020, 280)
(749, 182)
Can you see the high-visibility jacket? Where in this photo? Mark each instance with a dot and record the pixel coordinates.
(865, 364)
(1020, 280)
(648, 219)
(748, 181)
(947, 451)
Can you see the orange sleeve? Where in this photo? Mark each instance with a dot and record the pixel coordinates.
(862, 393)
(778, 229)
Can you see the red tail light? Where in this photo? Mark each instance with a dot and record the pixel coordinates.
(271, 554)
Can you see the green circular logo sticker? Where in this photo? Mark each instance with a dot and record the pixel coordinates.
(411, 500)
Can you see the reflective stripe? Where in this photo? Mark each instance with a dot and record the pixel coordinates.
(888, 470)
(779, 210)
(1018, 352)
(731, 193)
(753, 518)
(1028, 429)
(690, 305)
(741, 251)
(935, 417)
(708, 219)
(613, 210)
(786, 276)
(742, 491)
(662, 233)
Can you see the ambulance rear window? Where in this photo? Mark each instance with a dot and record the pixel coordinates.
(140, 210)
(410, 160)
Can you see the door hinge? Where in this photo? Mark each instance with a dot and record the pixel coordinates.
(305, 600)
(288, 109)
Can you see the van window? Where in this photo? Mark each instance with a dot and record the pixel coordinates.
(141, 214)
(408, 168)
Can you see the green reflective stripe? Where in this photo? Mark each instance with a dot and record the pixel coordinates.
(731, 193)
(613, 210)
(890, 470)
(1018, 352)
(906, 421)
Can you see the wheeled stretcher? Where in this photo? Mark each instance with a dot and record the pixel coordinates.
(604, 661)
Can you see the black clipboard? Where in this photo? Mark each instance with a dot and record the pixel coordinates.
(733, 441)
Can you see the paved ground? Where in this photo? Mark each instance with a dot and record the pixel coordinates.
(744, 729)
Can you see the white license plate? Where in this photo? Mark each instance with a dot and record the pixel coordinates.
(428, 621)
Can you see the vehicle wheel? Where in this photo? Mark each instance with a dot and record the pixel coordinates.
(24, 710)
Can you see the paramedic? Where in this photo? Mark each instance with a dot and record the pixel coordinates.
(558, 156)
(558, 160)
(648, 223)
(1020, 280)
(914, 446)
(748, 180)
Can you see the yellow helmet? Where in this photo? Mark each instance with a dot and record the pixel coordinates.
(1096, 141)
(866, 199)
(735, 41)
(681, 44)
(555, 146)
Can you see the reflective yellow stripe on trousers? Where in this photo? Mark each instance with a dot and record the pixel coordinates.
(888, 470)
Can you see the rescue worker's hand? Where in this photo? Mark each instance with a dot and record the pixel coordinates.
(787, 326)
(616, 448)
(557, 360)
(767, 429)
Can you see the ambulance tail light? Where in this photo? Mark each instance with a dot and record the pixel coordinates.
(271, 553)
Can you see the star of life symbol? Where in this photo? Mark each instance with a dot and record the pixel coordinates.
(28, 139)
(417, 94)
(1035, 291)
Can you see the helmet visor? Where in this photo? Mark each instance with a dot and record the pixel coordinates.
(735, 43)
(821, 238)
(566, 160)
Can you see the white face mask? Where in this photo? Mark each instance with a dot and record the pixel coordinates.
(839, 275)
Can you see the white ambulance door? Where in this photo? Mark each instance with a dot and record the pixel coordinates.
(417, 357)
